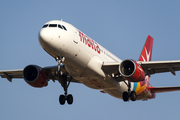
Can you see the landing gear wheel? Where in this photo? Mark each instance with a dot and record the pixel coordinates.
(69, 99)
(62, 99)
(125, 96)
(133, 96)
(64, 83)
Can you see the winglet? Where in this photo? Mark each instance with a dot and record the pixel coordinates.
(147, 50)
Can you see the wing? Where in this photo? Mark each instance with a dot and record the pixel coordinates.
(50, 71)
(164, 89)
(112, 68)
(150, 67)
(9, 74)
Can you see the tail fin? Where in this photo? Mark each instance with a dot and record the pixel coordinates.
(147, 50)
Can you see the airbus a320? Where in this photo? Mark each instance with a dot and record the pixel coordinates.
(82, 60)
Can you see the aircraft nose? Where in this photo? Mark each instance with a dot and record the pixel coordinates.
(44, 36)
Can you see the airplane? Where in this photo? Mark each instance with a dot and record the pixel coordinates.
(80, 59)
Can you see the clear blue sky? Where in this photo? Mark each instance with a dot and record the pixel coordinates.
(119, 26)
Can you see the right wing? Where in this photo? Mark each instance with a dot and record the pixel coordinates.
(50, 71)
(9, 74)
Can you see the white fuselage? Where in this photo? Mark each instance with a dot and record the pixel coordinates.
(83, 56)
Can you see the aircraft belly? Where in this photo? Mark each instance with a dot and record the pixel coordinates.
(97, 82)
(117, 92)
(114, 92)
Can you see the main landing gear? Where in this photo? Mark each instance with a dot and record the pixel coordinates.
(64, 83)
(129, 94)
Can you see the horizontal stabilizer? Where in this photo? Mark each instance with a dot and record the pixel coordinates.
(163, 89)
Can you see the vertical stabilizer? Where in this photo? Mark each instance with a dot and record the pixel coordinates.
(147, 50)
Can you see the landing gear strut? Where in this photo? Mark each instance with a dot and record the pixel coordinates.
(66, 97)
(60, 60)
(131, 94)
(64, 83)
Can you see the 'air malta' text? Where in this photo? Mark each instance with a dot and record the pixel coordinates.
(88, 41)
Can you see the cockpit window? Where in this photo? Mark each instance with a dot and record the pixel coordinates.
(55, 25)
(60, 26)
(52, 25)
(64, 28)
(45, 26)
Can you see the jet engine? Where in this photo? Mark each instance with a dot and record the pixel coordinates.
(131, 71)
(35, 76)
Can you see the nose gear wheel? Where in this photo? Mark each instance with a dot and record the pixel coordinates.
(65, 97)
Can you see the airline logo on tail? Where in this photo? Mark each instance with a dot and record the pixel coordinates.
(147, 50)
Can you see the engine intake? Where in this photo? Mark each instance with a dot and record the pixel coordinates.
(35, 76)
(132, 71)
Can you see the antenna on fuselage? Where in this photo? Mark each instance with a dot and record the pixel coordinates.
(61, 19)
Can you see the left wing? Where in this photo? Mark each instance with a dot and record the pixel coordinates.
(50, 71)
(163, 89)
(150, 67)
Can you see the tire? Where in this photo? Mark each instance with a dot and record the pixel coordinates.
(62, 99)
(69, 99)
(125, 96)
(133, 96)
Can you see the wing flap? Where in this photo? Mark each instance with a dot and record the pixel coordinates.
(12, 76)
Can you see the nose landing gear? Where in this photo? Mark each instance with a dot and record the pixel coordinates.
(64, 83)
(66, 97)
(63, 98)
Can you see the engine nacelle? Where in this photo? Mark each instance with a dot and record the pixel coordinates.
(131, 71)
(35, 76)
